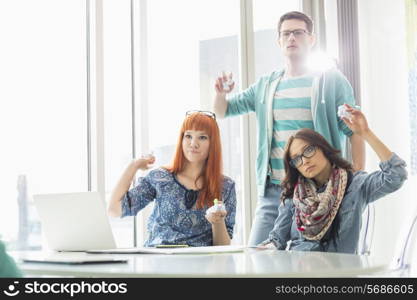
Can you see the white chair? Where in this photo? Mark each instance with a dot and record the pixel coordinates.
(367, 230)
(405, 260)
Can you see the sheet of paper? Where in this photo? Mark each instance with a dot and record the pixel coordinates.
(70, 258)
(187, 250)
(208, 250)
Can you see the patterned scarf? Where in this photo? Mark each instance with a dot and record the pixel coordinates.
(315, 212)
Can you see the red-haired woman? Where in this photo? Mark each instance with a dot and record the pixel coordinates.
(183, 191)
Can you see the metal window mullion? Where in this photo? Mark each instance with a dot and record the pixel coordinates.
(99, 97)
(140, 108)
(248, 123)
(133, 104)
(88, 86)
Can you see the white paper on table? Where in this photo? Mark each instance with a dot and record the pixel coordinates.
(186, 250)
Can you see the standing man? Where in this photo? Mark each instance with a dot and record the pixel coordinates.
(285, 101)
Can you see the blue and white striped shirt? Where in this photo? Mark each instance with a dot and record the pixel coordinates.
(291, 112)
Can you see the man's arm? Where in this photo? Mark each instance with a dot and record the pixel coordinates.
(239, 104)
(220, 105)
(358, 152)
(220, 102)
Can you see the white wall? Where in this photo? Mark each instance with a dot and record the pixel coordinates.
(385, 103)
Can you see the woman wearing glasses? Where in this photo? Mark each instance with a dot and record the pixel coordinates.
(183, 191)
(322, 199)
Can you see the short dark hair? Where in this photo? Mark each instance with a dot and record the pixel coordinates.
(312, 138)
(299, 16)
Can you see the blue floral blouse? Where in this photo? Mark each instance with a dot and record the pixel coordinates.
(171, 222)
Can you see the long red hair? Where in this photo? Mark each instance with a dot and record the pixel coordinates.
(212, 172)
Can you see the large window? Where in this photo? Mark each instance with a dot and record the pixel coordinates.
(176, 56)
(42, 109)
(157, 61)
(266, 14)
(189, 44)
(384, 97)
(118, 150)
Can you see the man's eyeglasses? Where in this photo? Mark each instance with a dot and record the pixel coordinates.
(298, 33)
(298, 160)
(204, 112)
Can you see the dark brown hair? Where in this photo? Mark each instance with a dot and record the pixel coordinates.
(312, 138)
(299, 16)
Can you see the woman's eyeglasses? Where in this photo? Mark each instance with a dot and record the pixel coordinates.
(298, 160)
(204, 112)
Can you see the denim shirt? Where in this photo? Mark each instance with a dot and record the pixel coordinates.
(363, 189)
(171, 222)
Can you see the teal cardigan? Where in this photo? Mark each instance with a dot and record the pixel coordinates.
(330, 90)
(8, 267)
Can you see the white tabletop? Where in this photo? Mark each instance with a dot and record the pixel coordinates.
(249, 263)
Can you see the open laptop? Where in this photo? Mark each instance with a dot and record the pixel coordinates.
(79, 222)
(74, 221)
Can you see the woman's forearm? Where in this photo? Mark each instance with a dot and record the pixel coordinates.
(358, 152)
(383, 152)
(122, 186)
(220, 234)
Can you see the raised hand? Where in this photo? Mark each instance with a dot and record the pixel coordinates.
(144, 162)
(224, 84)
(357, 121)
